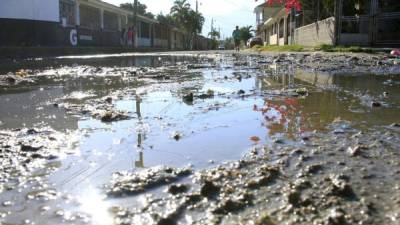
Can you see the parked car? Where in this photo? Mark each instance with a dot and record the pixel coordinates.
(254, 41)
(221, 47)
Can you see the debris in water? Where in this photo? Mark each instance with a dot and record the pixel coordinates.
(255, 139)
(177, 189)
(376, 104)
(302, 91)
(188, 98)
(125, 183)
(112, 116)
(241, 92)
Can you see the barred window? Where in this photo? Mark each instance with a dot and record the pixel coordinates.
(67, 13)
(144, 30)
(110, 21)
(90, 17)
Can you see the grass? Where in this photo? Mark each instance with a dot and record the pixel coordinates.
(276, 48)
(322, 47)
(332, 48)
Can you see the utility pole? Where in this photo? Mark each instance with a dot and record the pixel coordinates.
(135, 9)
(212, 25)
(197, 6)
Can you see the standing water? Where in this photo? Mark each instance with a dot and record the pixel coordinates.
(98, 139)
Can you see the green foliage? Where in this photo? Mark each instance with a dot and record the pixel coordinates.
(166, 19)
(180, 11)
(332, 48)
(276, 48)
(214, 34)
(188, 19)
(245, 33)
(228, 43)
(141, 9)
(181, 16)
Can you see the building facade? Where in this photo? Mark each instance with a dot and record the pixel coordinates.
(80, 23)
(340, 22)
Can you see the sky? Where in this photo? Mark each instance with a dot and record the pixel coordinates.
(226, 13)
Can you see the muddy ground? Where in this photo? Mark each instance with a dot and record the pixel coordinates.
(200, 138)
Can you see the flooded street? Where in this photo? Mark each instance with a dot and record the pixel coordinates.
(200, 138)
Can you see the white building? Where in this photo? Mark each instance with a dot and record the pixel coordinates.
(72, 23)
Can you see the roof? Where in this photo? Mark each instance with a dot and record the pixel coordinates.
(117, 9)
(275, 17)
(268, 5)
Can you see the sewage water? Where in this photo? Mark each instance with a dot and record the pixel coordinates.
(236, 107)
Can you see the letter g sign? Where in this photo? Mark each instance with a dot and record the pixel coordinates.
(73, 37)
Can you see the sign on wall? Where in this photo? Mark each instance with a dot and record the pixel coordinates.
(73, 37)
(43, 10)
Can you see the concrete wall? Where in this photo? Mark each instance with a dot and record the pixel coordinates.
(41, 10)
(161, 43)
(320, 79)
(177, 40)
(322, 32)
(26, 23)
(19, 32)
(273, 39)
(143, 42)
(281, 41)
(354, 39)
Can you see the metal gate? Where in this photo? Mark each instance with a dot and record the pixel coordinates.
(386, 22)
(369, 22)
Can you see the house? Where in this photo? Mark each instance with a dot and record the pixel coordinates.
(341, 22)
(80, 23)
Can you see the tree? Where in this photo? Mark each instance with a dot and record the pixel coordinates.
(229, 43)
(141, 9)
(214, 34)
(245, 33)
(180, 11)
(166, 19)
(187, 19)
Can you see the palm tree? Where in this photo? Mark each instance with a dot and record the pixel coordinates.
(214, 34)
(180, 10)
(196, 21)
(189, 20)
(245, 33)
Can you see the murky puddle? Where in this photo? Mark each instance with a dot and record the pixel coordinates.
(193, 111)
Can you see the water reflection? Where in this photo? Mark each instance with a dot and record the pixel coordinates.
(216, 129)
(139, 162)
(330, 97)
(117, 61)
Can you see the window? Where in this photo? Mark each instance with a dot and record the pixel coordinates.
(144, 30)
(90, 17)
(67, 13)
(110, 21)
(281, 28)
